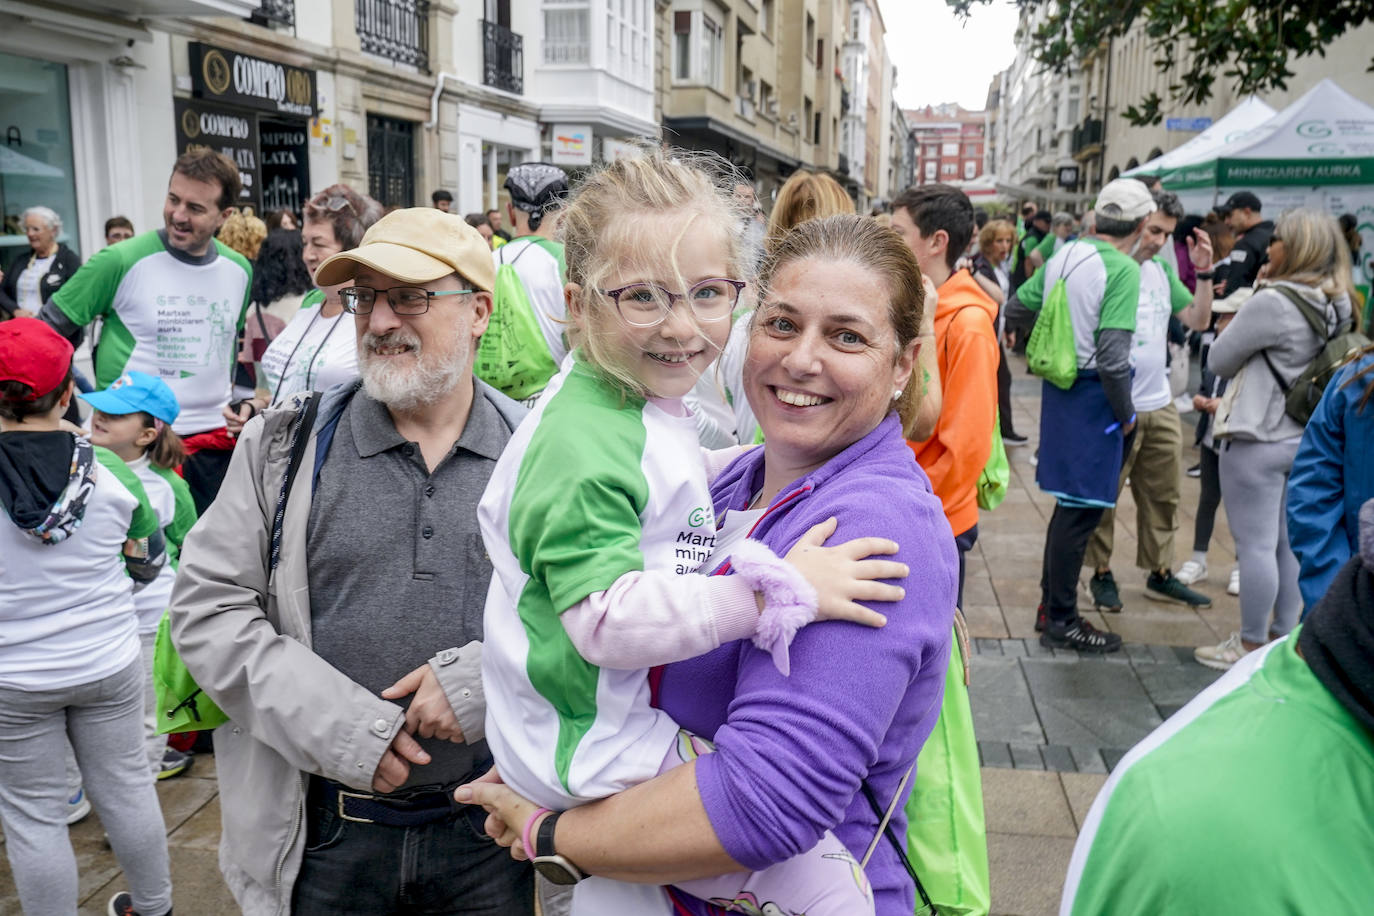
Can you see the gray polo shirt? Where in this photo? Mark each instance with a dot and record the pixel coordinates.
(398, 572)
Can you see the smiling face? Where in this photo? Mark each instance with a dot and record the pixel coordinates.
(823, 364)
(40, 234)
(674, 254)
(124, 434)
(192, 213)
(408, 361)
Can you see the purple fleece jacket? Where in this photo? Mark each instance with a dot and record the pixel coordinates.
(860, 702)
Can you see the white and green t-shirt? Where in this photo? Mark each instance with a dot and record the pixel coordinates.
(591, 487)
(1162, 294)
(1254, 798)
(312, 353)
(170, 499)
(1103, 287)
(539, 262)
(167, 314)
(69, 614)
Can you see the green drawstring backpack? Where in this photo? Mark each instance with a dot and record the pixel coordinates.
(513, 356)
(181, 705)
(996, 475)
(1050, 350)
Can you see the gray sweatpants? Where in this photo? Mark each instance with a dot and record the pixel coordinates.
(1254, 489)
(104, 722)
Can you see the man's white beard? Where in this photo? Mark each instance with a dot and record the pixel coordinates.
(428, 378)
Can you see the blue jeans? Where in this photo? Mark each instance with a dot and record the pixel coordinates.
(448, 867)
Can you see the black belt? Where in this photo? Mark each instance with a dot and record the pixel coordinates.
(412, 809)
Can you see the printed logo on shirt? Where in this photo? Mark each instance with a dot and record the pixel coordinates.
(699, 516)
(193, 332)
(691, 548)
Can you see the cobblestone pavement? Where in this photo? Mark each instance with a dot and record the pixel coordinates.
(1050, 724)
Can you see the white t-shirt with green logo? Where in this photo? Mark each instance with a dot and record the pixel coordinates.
(167, 314)
(311, 354)
(591, 487)
(1162, 294)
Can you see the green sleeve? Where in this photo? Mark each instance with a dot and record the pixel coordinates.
(1031, 294)
(1046, 246)
(144, 521)
(1121, 297)
(575, 512)
(1180, 297)
(184, 516)
(90, 292)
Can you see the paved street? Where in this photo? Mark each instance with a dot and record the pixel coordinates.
(1050, 724)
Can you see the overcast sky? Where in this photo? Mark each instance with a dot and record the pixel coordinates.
(940, 59)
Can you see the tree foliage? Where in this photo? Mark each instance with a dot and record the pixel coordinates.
(1247, 42)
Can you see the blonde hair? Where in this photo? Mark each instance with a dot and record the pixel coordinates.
(599, 225)
(860, 240)
(243, 232)
(805, 195)
(987, 237)
(1314, 252)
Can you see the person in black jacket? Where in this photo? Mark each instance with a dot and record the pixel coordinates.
(36, 273)
(1242, 213)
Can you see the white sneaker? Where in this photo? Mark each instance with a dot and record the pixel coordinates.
(78, 806)
(1233, 585)
(1223, 656)
(1192, 572)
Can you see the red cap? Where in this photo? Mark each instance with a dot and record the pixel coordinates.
(33, 353)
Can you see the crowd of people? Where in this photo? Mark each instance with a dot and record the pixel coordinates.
(654, 505)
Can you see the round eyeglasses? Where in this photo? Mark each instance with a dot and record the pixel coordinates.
(404, 300)
(646, 305)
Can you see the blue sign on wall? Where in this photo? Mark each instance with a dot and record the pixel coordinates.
(1187, 123)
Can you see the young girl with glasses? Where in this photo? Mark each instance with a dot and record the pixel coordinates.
(597, 520)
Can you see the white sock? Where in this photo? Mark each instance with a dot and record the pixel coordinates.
(1200, 557)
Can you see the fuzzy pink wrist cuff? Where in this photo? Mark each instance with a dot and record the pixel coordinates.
(789, 601)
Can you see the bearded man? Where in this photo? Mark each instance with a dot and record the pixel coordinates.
(352, 681)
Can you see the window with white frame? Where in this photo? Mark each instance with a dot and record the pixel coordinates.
(949, 168)
(567, 31)
(930, 171)
(699, 47)
(970, 168)
(949, 149)
(766, 18)
(627, 39)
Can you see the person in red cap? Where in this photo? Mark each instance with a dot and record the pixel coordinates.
(77, 539)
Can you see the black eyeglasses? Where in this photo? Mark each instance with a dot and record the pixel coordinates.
(647, 305)
(1275, 238)
(404, 300)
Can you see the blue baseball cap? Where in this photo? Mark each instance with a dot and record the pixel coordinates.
(135, 391)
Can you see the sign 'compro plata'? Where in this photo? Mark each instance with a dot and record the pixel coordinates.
(224, 75)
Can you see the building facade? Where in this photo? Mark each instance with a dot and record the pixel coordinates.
(950, 144)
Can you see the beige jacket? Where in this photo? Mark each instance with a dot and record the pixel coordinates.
(244, 634)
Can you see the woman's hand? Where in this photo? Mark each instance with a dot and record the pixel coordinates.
(504, 808)
(844, 575)
(234, 420)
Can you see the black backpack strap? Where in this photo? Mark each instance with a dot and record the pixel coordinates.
(897, 846)
(299, 440)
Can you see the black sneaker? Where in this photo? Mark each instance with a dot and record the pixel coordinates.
(174, 763)
(1195, 471)
(122, 904)
(1080, 635)
(1105, 595)
(1041, 619)
(1014, 440)
(1166, 587)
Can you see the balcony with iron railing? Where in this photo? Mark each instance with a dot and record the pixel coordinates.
(395, 29)
(503, 58)
(275, 12)
(1086, 140)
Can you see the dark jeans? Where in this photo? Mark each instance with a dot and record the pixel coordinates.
(1066, 542)
(204, 472)
(448, 867)
(1208, 499)
(965, 543)
(1004, 391)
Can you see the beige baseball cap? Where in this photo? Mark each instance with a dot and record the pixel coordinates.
(418, 245)
(1125, 198)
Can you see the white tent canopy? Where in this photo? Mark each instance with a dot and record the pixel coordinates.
(1233, 127)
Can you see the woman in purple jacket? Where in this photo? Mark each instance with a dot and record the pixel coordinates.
(832, 745)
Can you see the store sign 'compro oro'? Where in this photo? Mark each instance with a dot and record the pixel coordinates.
(222, 75)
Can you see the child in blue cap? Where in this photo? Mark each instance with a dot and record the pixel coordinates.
(133, 418)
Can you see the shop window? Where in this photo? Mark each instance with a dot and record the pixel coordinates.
(391, 161)
(35, 150)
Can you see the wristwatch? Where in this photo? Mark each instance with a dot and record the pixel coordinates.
(555, 868)
(1206, 274)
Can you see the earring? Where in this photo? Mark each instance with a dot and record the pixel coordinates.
(896, 394)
